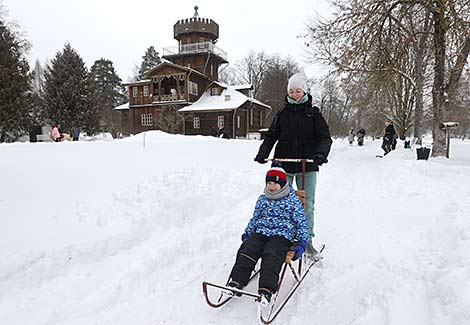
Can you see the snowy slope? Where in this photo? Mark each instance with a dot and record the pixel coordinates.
(118, 233)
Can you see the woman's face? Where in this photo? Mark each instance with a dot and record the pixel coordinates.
(296, 94)
(273, 186)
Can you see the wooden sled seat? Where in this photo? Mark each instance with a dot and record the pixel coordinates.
(302, 196)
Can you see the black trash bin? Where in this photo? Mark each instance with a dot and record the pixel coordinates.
(423, 153)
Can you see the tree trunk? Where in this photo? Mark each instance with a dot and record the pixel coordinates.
(421, 50)
(438, 95)
(456, 73)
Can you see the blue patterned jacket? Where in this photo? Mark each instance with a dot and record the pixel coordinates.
(284, 217)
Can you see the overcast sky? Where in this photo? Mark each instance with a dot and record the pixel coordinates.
(121, 30)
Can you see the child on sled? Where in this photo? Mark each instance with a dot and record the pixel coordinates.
(278, 222)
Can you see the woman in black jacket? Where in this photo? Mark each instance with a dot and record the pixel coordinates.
(389, 139)
(300, 131)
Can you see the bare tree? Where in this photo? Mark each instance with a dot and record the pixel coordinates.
(448, 18)
(249, 70)
(460, 111)
(273, 89)
(268, 74)
(365, 35)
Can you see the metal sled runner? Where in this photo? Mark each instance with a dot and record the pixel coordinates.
(266, 314)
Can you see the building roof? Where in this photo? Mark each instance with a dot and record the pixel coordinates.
(150, 72)
(123, 106)
(137, 82)
(229, 99)
(243, 87)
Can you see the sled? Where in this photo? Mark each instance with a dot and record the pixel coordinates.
(268, 314)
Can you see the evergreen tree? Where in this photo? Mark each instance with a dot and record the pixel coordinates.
(68, 93)
(35, 101)
(150, 60)
(37, 78)
(14, 84)
(109, 93)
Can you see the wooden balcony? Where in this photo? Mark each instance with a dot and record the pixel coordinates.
(168, 98)
(203, 47)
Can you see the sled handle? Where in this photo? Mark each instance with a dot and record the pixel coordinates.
(291, 160)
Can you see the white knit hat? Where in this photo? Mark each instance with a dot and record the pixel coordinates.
(298, 80)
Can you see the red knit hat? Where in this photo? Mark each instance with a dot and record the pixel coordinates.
(277, 175)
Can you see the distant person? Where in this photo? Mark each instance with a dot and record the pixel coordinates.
(60, 132)
(389, 137)
(278, 222)
(220, 133)
(351, 136)
(55, 134)
(360, 136)
(75, 133)
(299, 131)
(214, 131)
(407, 144)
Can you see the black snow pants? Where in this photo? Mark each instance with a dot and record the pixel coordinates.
(272, 250)
(386, 146)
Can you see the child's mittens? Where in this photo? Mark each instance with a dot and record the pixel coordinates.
(299, 249)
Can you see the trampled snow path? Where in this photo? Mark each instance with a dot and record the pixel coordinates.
(131, 232)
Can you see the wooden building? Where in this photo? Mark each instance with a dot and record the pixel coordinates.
(227, 110)
(186, 71)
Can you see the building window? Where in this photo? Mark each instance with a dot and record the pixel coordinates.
(212, 69)
(196, 123)
(238, 121)
(135, 91)
(214, 91)
(261, 118)
(220, 122)
(147, 120)
(252, 117)
(192, 88)
(146, 91)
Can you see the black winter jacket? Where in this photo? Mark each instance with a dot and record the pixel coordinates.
(389, 135)
(300, 132)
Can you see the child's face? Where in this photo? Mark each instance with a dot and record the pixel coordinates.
(273, 186)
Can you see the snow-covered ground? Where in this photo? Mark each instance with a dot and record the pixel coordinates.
(118, 233)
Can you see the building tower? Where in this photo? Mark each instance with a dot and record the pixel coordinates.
(196, 46)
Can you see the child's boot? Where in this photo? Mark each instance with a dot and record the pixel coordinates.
(266, 295)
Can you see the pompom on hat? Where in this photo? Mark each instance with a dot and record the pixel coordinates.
(277, 175)
(298, 80)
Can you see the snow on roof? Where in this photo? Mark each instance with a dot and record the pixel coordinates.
(236, 87)
(242, 87)
(135, 83)
(220, 83)
(219, 103)
(259, 103)
(123, 106)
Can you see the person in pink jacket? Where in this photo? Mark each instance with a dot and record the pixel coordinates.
(55, 134)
